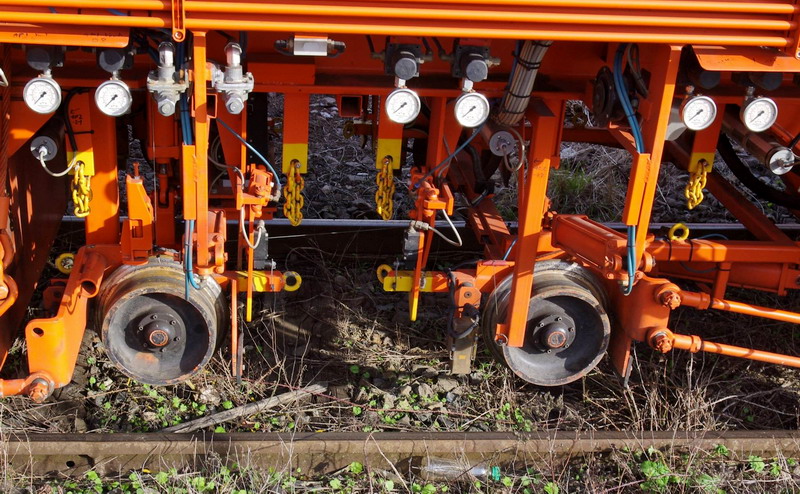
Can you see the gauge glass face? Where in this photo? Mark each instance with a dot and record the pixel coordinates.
(472, 109)
(759, 114)
(698, 112)
(113, 98)
(42, 95)
(402, 106)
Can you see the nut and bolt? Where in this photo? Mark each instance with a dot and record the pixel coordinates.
(661, 342)
(670, 300)
(39, 390)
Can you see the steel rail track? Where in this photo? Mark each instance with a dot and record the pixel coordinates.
(319, 453)
(370, 237)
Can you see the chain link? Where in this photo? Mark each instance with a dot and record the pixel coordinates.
(293, 193)
(698, 175)
(384, 197)
(81, 190)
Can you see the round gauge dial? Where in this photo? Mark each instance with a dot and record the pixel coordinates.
(472, 109)
(698, 112)
(758, 114)
(42, 95)
(113, 98)
(781, 160)
(402, 106)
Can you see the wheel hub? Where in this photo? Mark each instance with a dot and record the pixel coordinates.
(554, 332)
(158, 330)
(568, 328)
(150, 330)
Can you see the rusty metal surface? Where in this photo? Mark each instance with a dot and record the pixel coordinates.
(326, 452)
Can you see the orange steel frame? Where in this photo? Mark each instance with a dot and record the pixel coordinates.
(586, 34)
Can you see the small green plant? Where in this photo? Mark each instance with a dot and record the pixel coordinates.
(721, 450)
(657, 476)
(356, 468)
(756, 463)
(551, 488)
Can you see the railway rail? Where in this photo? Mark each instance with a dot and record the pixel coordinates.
(319, 453)
(380, 238)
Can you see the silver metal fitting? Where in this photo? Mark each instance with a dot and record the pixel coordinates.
(45, 147)
(232, 82)
(165, 83)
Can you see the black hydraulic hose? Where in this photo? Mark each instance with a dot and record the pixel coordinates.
(743, 173)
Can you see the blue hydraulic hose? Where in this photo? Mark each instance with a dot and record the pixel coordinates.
(622, 93)
(630, 260)
(450, 157)
(508, 252)
(190, 282)
(254, 151)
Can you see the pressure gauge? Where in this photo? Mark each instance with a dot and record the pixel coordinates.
(698, 112)
(758, 114)
(472, 109)
(402, 105)
(113, 97)
(42, 95)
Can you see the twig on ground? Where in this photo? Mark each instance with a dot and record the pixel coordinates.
(249, 409)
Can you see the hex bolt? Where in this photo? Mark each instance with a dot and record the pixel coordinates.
(670, 299)
(39, 390)
(661, 342)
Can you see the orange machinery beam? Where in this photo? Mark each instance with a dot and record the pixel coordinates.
(665, 340)
(708, 23)
(546, 121)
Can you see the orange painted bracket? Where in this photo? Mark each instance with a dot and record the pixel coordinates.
(53, 343)
(641, 174)
(178, 20)
(26, 124)
(102, 225)
(547, 129)
(745, 58)
(704, 301)
(390, 140)
(91, 36)
(187, 170)
(295, 133)
(137, 235)
(664, 340)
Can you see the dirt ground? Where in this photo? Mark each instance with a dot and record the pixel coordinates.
(384, 373)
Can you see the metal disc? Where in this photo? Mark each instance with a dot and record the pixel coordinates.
(150, 331)
(567, 331)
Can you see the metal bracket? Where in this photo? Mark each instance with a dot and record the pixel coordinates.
(178, 21)
(3, 79)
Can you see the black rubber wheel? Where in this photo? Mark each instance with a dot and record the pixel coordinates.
(150, 331)
(568, 328)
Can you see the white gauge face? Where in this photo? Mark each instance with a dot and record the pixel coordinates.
(113, 98)
(42, 95)
(758, 114)
(698, 112)
(781, 161)
(472, 109)
(402, 106)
